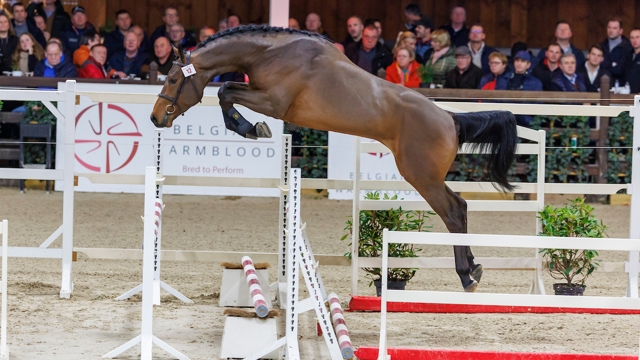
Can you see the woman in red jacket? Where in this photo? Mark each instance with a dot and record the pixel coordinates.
(404, 70)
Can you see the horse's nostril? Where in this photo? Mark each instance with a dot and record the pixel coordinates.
(153, 119)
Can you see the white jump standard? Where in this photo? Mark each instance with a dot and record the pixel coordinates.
(157, 283)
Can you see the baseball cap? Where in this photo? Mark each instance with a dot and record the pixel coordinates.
(77, 8)
(424, 21)
(462, 51)
(523, 55)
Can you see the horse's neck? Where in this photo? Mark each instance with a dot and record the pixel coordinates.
(228, 56)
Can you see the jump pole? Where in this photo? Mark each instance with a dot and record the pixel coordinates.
(259, 303)
(157, 282)
(146, 339)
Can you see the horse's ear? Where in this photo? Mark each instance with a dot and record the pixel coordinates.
(176, 52)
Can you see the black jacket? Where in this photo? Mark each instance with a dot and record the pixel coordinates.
(381, 60)
(470, 79)
(580, 59)
(71, 38)
(592, 86)
(542, 73)
(33, 30)
(632, 72)
(116, 61)
(114, 41)
(7, 46)
(459, 38)
(619, 56)
(61, 20)
(159, 31)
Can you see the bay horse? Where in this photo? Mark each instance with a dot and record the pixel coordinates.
(302, 78)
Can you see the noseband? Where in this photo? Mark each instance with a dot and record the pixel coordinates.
(171, 108)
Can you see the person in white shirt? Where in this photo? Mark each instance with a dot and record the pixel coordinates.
(591, 70)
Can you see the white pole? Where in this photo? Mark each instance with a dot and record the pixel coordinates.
(634, 228)
(538, 285)
(382, 348)
(355, 215)
(285, 174)
(146, 341)
(157, 162)
(68, 189)
(279, 13)
(4, 353)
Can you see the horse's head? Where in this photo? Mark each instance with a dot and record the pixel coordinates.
(183, 89)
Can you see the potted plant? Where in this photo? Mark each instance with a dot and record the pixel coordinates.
(425, 71)
(571, 265)
(370, 240)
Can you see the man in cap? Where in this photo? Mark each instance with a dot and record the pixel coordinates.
(71, 38)
(465, 75)
(521, 79)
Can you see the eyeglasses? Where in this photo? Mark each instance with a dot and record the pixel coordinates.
(476, 31)
(496, 63)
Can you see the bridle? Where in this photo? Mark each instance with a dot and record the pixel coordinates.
(171, 108)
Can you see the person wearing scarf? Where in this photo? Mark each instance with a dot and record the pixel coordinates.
(404, 69)
(442, 59)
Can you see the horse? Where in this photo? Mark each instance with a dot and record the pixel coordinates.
(302, 78)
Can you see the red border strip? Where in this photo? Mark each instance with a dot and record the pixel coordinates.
(372, 303)
(371, 353)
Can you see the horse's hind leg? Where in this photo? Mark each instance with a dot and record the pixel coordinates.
(230, 92)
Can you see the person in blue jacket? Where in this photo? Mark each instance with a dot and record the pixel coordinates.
(55, 63)
(568, 80)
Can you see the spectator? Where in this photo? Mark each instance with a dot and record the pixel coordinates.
(8, 42)
(632, 65)
(591, 71)
(114, 40)
(465, 75)
(293, 24)
(423, 29)
(568, 80)
(549, 66)
(563, 38)
(479, 50)
(71, 37)
(521, 46)
(404, 69)
(354, 28)
(23, 23)
(368, 53)
(499, 76)
(407, 39)
(376, 22)
(87, 41)
(616, 50)
(442, 59)
(55, 63)
(413, 14)
(41, 23)
(521, 78)
(130, 60)
(162, 52)
(170, 18)
(93, 67)
(233, 21)
(142, 38)
(56, 19)
(314, 24)
(27, 54)
(179, 38)
(457, 29)
(222, 25)
(205, 32)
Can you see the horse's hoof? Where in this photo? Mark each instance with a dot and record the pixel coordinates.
(250, 136)
(262, 130)
(471, 287)
(476, 273)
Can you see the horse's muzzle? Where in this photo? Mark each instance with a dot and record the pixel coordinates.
(155, 122)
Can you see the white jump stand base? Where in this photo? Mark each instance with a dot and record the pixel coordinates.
(157, 285)
(146, 355)
(248, 338)
(234, 291)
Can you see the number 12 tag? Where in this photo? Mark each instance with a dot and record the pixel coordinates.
(188, 70)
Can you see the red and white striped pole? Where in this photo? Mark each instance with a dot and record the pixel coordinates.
(259, 302)
(340, 326)
(157, 214)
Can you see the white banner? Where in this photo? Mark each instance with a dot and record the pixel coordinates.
(373, 166)
(119, 138)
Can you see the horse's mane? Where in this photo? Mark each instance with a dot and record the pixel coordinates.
(255, 28)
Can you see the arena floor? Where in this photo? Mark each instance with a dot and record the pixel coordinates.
(91, 323)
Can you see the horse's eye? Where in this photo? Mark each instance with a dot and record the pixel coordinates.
(173, 81)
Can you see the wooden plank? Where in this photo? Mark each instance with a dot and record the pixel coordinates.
(488, 9)
(575, 12)
(543, 16)
(503, 23)
(297, 11)
(518, 26)
(330, 21)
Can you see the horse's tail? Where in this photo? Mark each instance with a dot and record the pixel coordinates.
(493, 132)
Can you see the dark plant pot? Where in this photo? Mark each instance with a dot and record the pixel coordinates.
(569, 290)
(391, 285)
(425, 85)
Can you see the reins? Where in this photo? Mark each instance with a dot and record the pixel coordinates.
(171, 108)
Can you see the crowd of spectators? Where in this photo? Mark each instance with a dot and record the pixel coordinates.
(41, 38)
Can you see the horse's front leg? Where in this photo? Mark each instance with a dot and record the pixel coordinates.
(231, 93)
